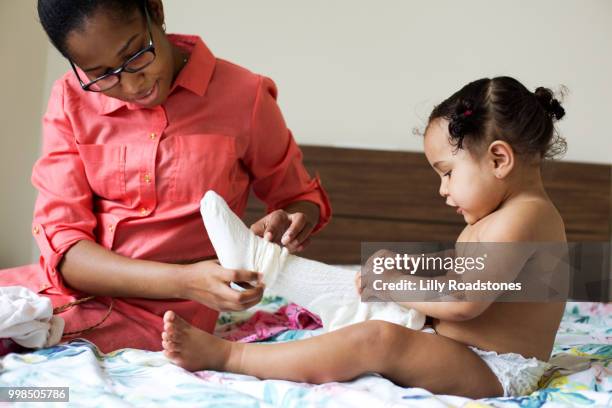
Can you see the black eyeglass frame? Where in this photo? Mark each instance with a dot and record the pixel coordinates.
(124, 67)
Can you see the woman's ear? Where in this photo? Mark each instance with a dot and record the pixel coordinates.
(501, 157)
(156, 11)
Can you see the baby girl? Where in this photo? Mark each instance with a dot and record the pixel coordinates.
(486, 142)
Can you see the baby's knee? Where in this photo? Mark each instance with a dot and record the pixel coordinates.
(378, 338)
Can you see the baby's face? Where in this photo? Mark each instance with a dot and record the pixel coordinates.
(467, 183)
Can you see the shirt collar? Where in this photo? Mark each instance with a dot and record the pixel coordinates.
(194, 76)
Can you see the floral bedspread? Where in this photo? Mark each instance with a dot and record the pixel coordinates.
(582, 375)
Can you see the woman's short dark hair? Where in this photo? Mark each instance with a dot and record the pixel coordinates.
(502, 108)
(60, 17)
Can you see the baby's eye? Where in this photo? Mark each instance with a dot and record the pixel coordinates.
(448, 173)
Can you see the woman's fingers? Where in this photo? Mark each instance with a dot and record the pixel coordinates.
(240, 275)
(259, 227)
(296, 236)
(278, 223)
(302, 240)
(298, 222)
(234, 300)
(280, 227)
(272, 226)
(210, 286)
(250, 304)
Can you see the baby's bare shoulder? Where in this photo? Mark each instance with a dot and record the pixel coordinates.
(525, 220)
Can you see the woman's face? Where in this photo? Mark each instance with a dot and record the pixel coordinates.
(466, 183)
(106, 41)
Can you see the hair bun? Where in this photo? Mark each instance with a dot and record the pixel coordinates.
(549, 103)
(461, 120)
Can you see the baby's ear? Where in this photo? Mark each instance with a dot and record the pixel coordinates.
(501, 157)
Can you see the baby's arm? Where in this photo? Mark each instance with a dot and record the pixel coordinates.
(505, 259)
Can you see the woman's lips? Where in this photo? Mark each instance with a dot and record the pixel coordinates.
(148, 97)
(459, 211)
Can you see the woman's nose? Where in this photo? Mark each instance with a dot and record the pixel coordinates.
(131, 84)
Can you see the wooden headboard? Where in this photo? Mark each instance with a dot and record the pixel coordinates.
(393, 196)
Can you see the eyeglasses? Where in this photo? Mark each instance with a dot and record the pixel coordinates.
(135, 63)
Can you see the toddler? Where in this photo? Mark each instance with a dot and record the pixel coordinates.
(486, 142)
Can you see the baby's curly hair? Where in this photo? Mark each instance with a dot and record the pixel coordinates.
(502, 108)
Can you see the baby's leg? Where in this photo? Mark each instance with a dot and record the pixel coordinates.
(407, 357)
(325, 290)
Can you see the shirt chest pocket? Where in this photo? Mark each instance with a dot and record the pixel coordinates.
(204, 162)
(105, 169)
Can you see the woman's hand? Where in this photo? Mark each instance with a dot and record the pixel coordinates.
(208, 283)
(290, 227)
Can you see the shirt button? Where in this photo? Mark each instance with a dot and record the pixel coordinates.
(147, 178)
(36, 230)
(153, 136)
(111, 228)
(144, 211)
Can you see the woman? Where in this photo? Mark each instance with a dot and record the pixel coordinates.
(140, 128)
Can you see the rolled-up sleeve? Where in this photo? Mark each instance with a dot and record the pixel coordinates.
(275, 160)
(63, 212)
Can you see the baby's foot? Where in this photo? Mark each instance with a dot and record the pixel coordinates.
(192, 348)
(237, 247)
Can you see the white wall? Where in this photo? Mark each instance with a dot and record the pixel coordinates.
(23, 51)
(364, 73)
(359, 73)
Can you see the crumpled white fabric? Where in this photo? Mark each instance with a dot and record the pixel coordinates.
(28, 319)
(326, 290)
(337, 312)
(517, 375)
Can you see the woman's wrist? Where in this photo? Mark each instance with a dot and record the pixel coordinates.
(184, 287)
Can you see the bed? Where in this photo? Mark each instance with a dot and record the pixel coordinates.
(362, 185)
(582, 375)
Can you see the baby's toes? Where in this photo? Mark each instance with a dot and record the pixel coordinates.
(172, 355)
(179, 324)
(170, 345)
(168, 330)
(169, 316)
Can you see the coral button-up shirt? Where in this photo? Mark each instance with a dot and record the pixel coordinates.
(131, 178)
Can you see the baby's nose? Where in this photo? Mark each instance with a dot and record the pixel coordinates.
(443, 190)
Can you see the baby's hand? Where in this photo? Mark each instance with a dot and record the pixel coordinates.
(366, 277)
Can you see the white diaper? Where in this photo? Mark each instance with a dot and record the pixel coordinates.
(517, 375)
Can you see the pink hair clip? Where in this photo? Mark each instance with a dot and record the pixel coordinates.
(467, 113)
